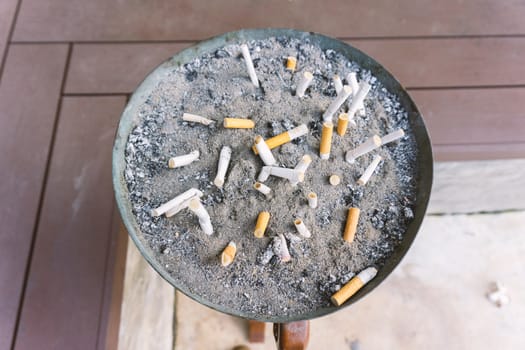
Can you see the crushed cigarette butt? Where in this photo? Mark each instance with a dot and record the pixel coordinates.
(188, 117)
(228, 254)
(179, 161)
(291, 63)
(176, 201)
(304, 83)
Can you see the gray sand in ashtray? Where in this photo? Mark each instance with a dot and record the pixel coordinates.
(216, 85)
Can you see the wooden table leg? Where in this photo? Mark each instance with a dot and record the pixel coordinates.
(256, 331)
(292, 336)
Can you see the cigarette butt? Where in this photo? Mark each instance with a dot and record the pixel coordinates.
(249, 64)
(369, 145)
(262, 188)
(353, 286)
(291, 63)
(283, 253)
(284, 137)
(222, 167)
(393, 136)
(334, 180)
(337, 103)
(179, 161)
(302, 166)
(238, 123)
(338, 84)
(326, 140)
(351, 224)
(261, 224)
(228, 254)
(198, 209)
(357, 101)
(188, 117)
(177, 201)
(264, 151)
(301, 228)
(304, 83)
(342, 124)
(369, 171)
(312, 200)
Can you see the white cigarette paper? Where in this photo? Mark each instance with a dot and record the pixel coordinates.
(367, 274)
(262, 188)
(358, 99)
(181, 206)
(249, 64)
(176, 162)
(312, 200)
(285, 173)
(264, 151)
(178, 200)
(369, 171)
(304, 83)
(337, 103)
(198, 209)
(393, 136)
(369, 145)
(196, 119)
(264, 174)
(224, 161)
(351, 78)
(338, 84)
(284, 253)
(302, 166)
(298, 131)
(301, 228)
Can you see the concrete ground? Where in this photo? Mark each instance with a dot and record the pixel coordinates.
(435, 299)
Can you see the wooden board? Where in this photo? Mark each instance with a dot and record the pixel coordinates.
(101, 20)
(65, 285)
(29, 95)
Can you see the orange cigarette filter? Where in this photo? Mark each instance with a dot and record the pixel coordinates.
(238, 123)
(262, 223)
(326, 140)
(276, 141)
(342, 124)
(351, 224)
(353, 286)
(228, 254)
(291, 63)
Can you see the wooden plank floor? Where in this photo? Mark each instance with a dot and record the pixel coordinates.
(67, 68)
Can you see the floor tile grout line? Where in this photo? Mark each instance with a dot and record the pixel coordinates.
(51, 147)
(9, 37)
(344, 38)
